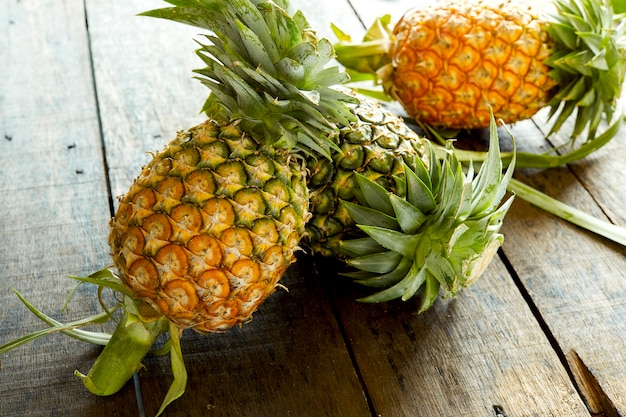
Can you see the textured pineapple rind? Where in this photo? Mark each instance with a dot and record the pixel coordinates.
(453, 62)
(209, 226)
(376, 146)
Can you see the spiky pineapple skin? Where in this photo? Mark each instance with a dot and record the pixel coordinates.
(375, 146)
(452, 62)
(209, 226)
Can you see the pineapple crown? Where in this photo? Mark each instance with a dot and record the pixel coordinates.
(267, 68)
(440, 230)
(589, 63)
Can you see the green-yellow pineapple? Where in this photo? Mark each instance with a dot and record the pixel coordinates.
(437, 232)
(376, 145)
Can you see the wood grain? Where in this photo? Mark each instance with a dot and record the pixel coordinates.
(470, 356)
(54, 205)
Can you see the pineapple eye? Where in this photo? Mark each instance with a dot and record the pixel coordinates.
(214, 154)
(215, 283)
(277, 195)
(157, 226)
(352, 156)
(252, 204)
(220, 215)
(133, 240)
(199, 186)
(185, 161)
(143, 276)
(207, 248)
(173, 262)
(323, 202)
(259, 168)
(237, 243)
(323, 173)
(231, 176)
(247, 270)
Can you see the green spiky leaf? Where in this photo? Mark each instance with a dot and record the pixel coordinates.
(267, 67)
(445, 248)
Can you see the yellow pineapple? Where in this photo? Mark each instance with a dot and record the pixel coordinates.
(210, 226)
(450, 62)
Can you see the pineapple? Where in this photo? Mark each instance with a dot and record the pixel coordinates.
(210, 226)
(212, 222)
(438, 231)
(449, 63)
(376, 146)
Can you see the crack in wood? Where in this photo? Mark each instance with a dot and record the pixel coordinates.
(597, 402)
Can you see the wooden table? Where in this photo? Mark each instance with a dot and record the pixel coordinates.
(88, 89)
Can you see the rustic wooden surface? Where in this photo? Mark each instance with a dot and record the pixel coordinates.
(88, 89)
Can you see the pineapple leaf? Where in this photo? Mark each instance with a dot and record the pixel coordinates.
(255, 48)
(370, 217)
(382, 262)
(178, 386)
(396, 241)
(409, 217)
(419, 194)
(413, 279)
(374, 194)
(563, 33)
(269, 69)
(70, 329)
(358, 275)
(360, 247)
(390, 278)
(588, 62)
(430, 294)
(106, 278)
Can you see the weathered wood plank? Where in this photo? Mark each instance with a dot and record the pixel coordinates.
(55, 205)
(576, 278)
(291, 358)
(475, 355)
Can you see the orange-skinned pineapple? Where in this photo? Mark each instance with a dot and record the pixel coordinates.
(450, 67)
(450, 62)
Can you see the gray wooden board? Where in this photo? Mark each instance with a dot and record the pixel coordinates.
(54, 205)
(474, 355)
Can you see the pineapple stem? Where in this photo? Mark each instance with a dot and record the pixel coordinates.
(121, 357)
(562, 210)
